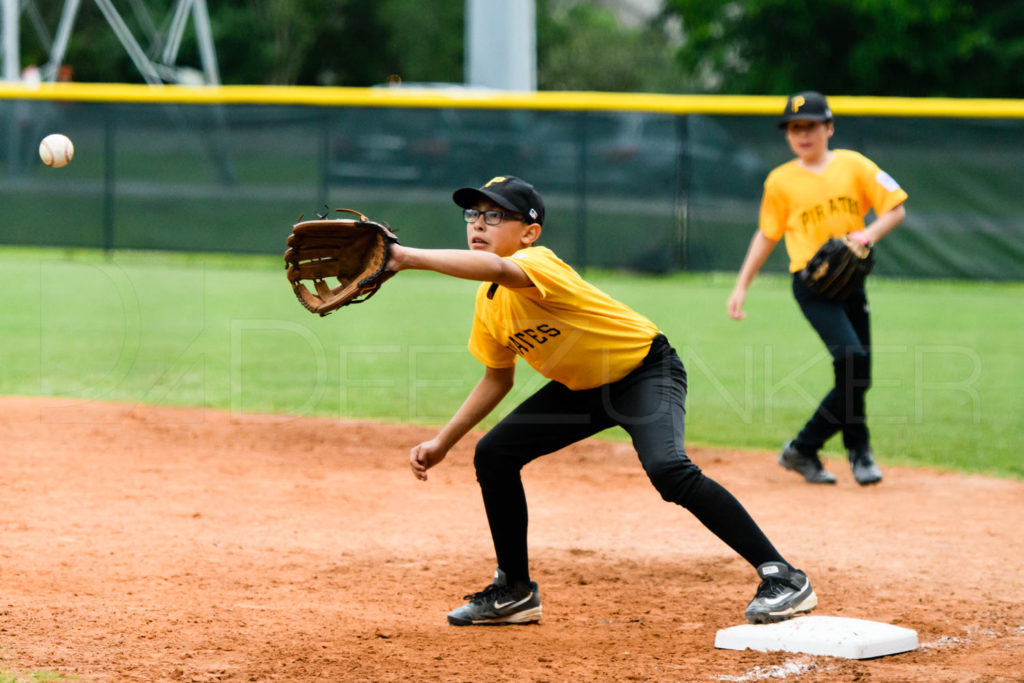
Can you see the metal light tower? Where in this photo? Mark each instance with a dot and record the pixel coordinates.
(157, 65)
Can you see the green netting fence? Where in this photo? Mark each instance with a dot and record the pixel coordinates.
(645, 183)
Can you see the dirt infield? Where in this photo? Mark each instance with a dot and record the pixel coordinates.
(142, 544)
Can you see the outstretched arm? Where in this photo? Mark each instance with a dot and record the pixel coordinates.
(469, 265)
(758, 252)
(487, 393)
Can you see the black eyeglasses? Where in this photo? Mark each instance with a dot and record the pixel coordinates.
(492, 217)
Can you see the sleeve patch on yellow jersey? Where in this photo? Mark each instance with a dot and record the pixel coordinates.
(887, 181)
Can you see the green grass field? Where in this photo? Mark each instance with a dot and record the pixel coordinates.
(226, 333)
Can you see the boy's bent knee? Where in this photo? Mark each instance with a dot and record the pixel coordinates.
(675, 481)
(493, 461)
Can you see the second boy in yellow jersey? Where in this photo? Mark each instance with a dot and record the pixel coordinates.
(607, 364)
(808, 208)
(820, 194)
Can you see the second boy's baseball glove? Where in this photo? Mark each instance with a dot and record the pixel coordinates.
(838, 268)
(354, 252)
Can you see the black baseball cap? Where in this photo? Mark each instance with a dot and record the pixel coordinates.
(508, 192)
(806, 106)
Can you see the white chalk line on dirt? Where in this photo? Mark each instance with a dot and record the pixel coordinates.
(946, 642)
(760, 673)
(942, 642)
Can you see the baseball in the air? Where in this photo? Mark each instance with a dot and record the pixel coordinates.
(56, 150)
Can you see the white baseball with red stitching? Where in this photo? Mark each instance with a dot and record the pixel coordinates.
(56, 150)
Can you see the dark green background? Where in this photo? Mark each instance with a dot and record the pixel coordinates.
(633, 191)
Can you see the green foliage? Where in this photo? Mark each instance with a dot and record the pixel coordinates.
(225, 332)
(867, 47)
(851, 47)
(94, 52)
(326, 42)
(424, 40)
(583, 47)
(365, 42)
(272, 41)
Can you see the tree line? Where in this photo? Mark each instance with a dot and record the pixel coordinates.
(951, 48)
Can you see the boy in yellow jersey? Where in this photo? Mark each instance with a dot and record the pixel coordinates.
(607, 365)
(820, 194)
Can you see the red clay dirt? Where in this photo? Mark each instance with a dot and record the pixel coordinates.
(161, 544)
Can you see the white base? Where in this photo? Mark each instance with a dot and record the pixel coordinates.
(830, 636)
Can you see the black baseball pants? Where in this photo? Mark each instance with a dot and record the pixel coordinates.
(649, 404)
(845, 328)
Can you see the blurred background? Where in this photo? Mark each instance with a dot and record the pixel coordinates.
(948, 48)
(630, 185)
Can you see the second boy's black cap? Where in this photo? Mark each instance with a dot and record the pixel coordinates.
(508, 192)
(806, 106)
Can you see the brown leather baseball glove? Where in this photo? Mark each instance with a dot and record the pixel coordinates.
(838, 268)
(354, 252)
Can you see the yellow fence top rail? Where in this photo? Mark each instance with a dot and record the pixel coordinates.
(494, 99)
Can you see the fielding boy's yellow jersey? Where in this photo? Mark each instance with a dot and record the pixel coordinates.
(566, 329)
(808, 208)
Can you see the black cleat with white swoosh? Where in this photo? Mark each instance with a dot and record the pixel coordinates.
(499, 604)
(783, 593)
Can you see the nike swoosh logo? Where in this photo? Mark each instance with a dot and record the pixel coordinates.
(775, 601)
(498, 605)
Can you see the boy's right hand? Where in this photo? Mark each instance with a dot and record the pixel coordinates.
(424, 456)
(735, 305)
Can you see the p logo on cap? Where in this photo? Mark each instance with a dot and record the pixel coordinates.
(809, 105)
